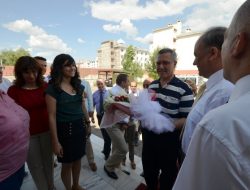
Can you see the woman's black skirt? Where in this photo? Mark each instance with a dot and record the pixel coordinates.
(72, 137)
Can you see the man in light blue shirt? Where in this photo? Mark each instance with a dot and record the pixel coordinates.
(90, 110)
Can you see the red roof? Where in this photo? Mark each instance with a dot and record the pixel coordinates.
(9, 71)
(186, 72)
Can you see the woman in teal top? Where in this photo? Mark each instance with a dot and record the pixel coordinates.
(67, 118)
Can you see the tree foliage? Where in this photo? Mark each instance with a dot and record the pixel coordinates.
(151, 66)
(129, 64)
(9, 57)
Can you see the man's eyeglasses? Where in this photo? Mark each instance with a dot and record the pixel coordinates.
(158, 63)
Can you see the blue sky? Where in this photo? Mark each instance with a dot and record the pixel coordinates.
(77, 27)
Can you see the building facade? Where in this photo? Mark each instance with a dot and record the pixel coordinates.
(183, 42)
(87, 63)
(111, 54)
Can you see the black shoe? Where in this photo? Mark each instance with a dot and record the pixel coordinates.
(110, 174)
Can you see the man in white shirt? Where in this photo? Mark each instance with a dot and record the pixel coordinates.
(207, 54)
(4, 83)
(116, 132)
(219, 153)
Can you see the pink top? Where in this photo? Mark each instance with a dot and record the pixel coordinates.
(14, 136)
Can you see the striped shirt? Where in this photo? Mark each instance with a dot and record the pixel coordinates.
(176, 98)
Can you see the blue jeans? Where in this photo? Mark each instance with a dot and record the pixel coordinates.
(14, 182)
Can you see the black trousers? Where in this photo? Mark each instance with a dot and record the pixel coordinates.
(106, 138)
(159, 156)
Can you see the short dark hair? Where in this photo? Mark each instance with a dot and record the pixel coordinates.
(168, 50)
(214, 37)
(121, 78)
(24, 64)
(40, 58)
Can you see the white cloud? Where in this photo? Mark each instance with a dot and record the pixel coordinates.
(38, 39)
(80, 40)
(133, 10)
(146, 39)
(125, 26)
(213, 13)
(200, 15)
(121, 41)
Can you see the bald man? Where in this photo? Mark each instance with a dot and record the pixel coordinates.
(219, 154)
(98, 98)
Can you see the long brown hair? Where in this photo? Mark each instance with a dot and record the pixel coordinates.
(57, 76)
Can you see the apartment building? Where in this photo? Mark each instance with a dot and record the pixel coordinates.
(87, 63)
(111, 54)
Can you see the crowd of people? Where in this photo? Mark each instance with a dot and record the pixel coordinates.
(209, 147)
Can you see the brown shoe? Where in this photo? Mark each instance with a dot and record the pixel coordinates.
(93, 166)
(133, 165)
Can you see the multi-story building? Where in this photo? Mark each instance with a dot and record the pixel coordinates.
(87, 63)
(183, 43)
(111, 54)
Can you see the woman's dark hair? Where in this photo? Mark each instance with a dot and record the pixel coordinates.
(57, 76)
(25, 64)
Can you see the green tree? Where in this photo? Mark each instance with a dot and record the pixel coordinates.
(9, 57)
(129, 64)
(151, 66)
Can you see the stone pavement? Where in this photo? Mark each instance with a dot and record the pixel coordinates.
(98, 180)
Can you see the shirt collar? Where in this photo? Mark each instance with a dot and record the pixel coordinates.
(241, 87)
(214, 79)
(172, 81)
(117, 90)
(103, 90)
